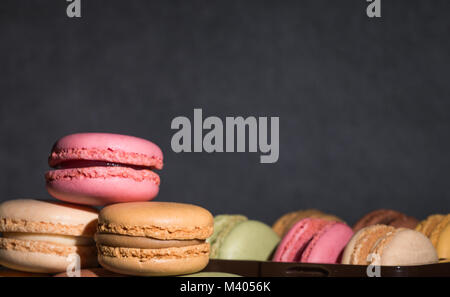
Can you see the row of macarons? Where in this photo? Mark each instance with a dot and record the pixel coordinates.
(381, 237)
(165, 238)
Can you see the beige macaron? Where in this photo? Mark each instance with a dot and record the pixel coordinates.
(389, 246)
(46, 237)
(154, 238)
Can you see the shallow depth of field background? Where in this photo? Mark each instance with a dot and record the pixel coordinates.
(364, 104)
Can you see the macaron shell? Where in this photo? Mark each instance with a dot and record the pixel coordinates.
(106, 147)
(159, 220)
(385, 217)
(317, 215)
(295, 241)
(365, 247)
(360, 245)
(405, 222)
(379, 216)
(350, 247)
(49, 217)
(40, 262)
(328, 244)
(223, 224)
(408, 247)
(434, 237)
(443, 245)
(155, 266)
(249, 240)
(376, 251)
(285, 223)
(427, 226)
(102, 185)
(280, 225)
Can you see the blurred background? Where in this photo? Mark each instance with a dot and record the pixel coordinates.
(364, 104)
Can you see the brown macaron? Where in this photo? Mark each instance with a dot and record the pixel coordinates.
(154, 238)
(386, 217)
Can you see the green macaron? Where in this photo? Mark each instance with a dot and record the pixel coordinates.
(237, 238)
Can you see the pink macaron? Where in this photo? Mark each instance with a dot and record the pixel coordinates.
(102, 168)
(313, 240)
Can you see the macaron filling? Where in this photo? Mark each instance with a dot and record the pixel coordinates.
(95, 149)
(140, 242)
(51, 238)
(70, 164)
(79, 169)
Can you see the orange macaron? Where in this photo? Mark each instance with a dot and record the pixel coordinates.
(154, 238)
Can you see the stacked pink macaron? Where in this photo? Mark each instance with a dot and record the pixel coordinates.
(314, 240)
(100, 168)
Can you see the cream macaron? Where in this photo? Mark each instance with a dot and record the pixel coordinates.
(153, 238)
(388, 246)
(46, 237)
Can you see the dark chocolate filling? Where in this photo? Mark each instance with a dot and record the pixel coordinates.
(70, 164)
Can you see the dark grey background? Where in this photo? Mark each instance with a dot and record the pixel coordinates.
(364, 104)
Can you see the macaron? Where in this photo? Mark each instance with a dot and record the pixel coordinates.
(237, 238)
(386, 217)
(437, 229)
(285, 223)
(427, 226)
(443, 244)
(92, 272)
(101, 168)
(153, 238)
(46, 237)
(389, 246)
(436, 233)
(313, 240)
